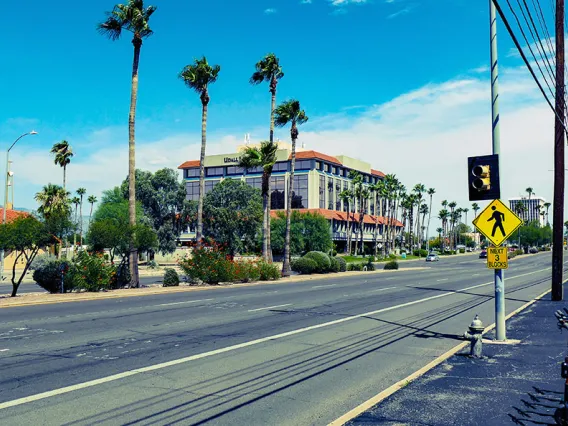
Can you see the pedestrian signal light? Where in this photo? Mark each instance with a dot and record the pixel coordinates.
(483, 177)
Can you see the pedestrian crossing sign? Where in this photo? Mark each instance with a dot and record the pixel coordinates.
(497, 222)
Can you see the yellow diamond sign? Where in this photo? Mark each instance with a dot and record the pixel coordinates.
(497, 222)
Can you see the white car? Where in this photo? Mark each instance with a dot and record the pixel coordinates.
(432, 258)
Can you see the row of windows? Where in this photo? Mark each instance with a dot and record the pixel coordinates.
(343, 172)
(277, 185)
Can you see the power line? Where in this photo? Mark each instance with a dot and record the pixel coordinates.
(527, 63)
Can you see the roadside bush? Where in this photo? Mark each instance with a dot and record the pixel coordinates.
(42, 260)
(355, 267)
(305, 266)
(518, 252)
(322, 260)
(462, 250)
(171, 278)
(268, 271)
(208, 264)
(152, 264)
(392, 256)
(511, 255)
(420, 253)
(393, 264)
(334, 265)
(48, 276)
(92, 272)
(547, 248)
(246, 271)
(334, 253)
(342, 264)
(370, 265)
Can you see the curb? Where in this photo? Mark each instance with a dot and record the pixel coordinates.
(418, 373)
(115, 294)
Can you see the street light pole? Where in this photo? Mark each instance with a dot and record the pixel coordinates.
(33, 132)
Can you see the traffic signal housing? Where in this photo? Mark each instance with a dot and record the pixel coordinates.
(483, 177)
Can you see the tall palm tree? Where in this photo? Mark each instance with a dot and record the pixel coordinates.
(423, 211)
(529, 191)
(547, 207)
(430, 192)
(439, 231)
(379, 190)
(265, 157)
(443, 215)
(75, 201)
(419, 189)
(268, 69)
(63, 153)
(198, 76)
(452, 207)
(81, 192)
(92, 200)
(134, 18)
(346, 195)
(289, 112)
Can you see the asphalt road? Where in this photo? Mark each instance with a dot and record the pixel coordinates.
(283, 354)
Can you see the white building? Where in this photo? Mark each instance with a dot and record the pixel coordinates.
(531, 210)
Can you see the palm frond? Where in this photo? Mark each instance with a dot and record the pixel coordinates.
(112, 28)
(250, 158)
(199, 75)
(266, 69)
(131, 17)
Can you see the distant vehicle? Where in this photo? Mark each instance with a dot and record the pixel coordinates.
(483, 254)
(533, 250)
(469, 250)
(432, 257)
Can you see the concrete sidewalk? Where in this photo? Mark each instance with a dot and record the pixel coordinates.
(513, 384)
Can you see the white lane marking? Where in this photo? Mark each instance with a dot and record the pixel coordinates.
(269, 307)
(181, 303)
(476, 275)
(443, 279)
(324, 286)
(114, 377)
(379, 289)
(4, 350)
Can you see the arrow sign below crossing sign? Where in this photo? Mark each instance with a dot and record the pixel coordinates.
(497, 222)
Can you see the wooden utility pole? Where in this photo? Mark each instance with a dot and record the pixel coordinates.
(558, 213)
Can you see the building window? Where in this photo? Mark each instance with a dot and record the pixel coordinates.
(322, 192)
(255, 182)
(277, 185)
(209, 185)
(235, 170)
(328, 168)
(334, 170)
(192, 172)
(300, 192)
(192, 191)
(318, 165)
(257, 169)
(345, 172)
(280, 167)
(330, 194)
(303, 165)
(214, 171)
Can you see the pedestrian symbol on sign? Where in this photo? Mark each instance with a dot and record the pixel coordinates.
(499, 218)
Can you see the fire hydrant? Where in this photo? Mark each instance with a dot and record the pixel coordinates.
(475, 336)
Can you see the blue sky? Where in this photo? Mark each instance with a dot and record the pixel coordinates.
(397, 82)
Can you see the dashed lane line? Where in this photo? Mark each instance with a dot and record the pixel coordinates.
(268, 307)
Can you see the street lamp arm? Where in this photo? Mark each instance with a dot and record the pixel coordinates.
(33, 132)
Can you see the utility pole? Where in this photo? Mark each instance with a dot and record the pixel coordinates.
(558, 213)
(500, 331)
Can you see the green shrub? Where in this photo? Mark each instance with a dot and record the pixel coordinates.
(92, 272)
(48, 276)
(334, 265)
(322, 260)
(268, 271)
(42, 260)
(392, 256)
(370, 265)
(152, 264)
(342, 264)
(371, 259)
(305, 266)
(246, 271)
(511, 255)
(547, 248)
(355, 267)
(208, 264)
(462, 250)
(518, 252)
(393, 264)
(334, 253)
(171, 278)
(420, 253)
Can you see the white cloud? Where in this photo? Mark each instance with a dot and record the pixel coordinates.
(341, 3)
(306, 2)
(404, 11)
(270, 11)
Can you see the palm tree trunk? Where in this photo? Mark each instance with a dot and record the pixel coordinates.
(272, 108)
(133, 257)
(64, 175)
(199, 231)
(266, 216)
(81, 223)
(91, 213)
(348, 242)
(286, 264)
(428, 226)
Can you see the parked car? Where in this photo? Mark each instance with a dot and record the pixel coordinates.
(483, 254)
(533, 250)
(432, 257)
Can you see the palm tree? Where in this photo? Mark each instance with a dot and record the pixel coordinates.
(439, 231)
(475, 207)
(547, 207)
(423, 211)
(132, 17)
(379, 190)
(443, 215)
(529, 191)
(53, 200)
(419, 189)
(198, 77)
(289, 112)
(76, 201)
(268, 69)
(430, 192)
(265, 157)
(81, 192)
(92, 200)
(63, 154)
(346, 196)
(452, 207)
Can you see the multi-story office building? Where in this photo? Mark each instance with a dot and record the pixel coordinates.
(318, 181)
(531, 209)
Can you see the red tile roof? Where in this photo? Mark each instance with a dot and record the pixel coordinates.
(189, 164)
(307, 155)
(12, 214)
(338, 215)
(377, 173)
